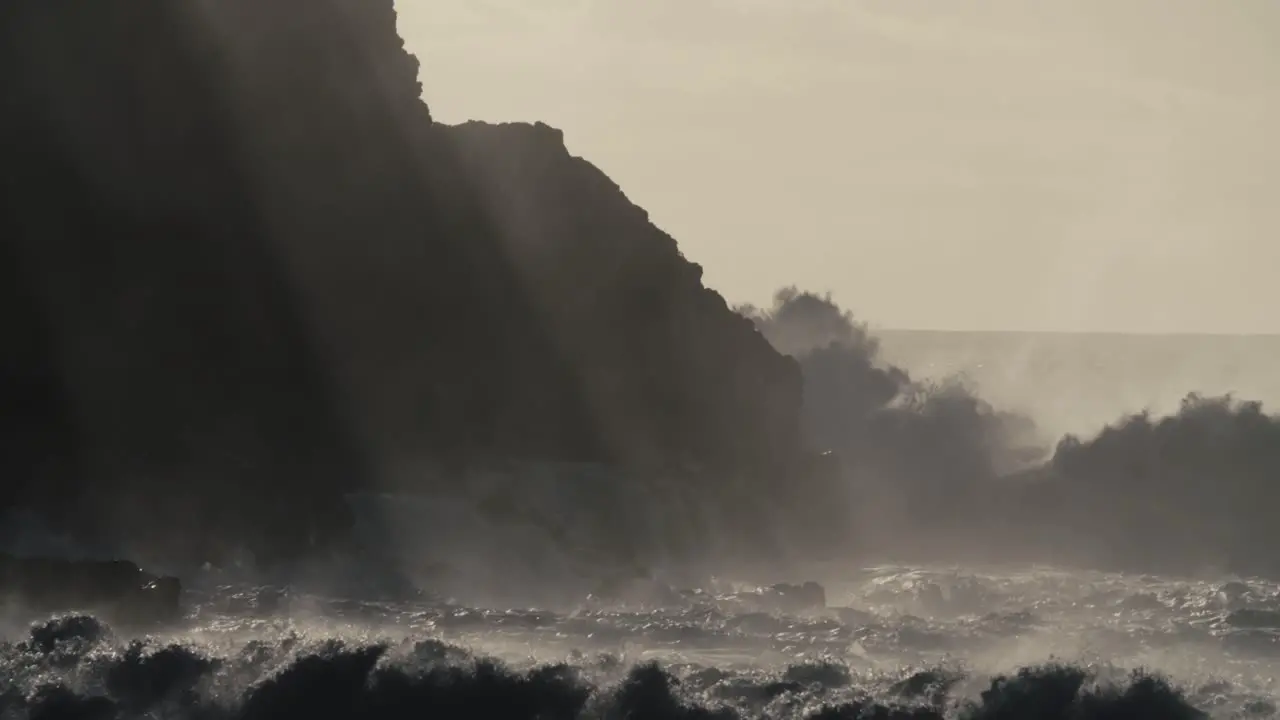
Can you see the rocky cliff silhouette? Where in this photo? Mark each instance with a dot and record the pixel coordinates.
(245, 273)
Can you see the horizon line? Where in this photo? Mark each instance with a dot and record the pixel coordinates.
(1123, 333)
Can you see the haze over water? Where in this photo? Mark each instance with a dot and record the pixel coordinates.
(431, 423)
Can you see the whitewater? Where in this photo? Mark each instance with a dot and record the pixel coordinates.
(892, 641)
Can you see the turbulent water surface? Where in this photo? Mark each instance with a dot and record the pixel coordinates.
(892, 642)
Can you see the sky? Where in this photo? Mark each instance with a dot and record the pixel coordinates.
(1059, 165)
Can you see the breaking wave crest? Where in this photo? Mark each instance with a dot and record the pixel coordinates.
(893, 642)
(74, 667)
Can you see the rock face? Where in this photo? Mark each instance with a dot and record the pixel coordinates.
(797, 598)
(654, 367)
(117, 588)
(247, 274)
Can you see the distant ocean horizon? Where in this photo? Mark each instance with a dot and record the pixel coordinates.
(1073, 333)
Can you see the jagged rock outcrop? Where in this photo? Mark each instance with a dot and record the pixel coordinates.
(248, 274)
(118, 588)
(663, 369)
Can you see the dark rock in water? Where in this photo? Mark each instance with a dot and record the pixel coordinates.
(1250, 618)
(789, 598)
(160, 598)
(854, 616)
(809, 596)
(118, 589)
(637, 588)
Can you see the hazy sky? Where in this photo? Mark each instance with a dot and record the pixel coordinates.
(963, 164)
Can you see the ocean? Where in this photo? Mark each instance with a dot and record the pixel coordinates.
(465, 612)
(892, 642)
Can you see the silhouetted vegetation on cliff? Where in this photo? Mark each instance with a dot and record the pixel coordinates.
(1193, 491)
(914, 454)
(935, 473)
(246, 273)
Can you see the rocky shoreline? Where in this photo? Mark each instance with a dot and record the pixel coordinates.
(118, 590)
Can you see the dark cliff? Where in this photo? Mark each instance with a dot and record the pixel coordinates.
(245, 273)
(659, 366)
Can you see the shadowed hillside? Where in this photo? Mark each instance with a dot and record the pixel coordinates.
(245, 273)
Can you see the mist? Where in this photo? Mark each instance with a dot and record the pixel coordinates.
(917, 454)
(935, 472)
(228, 308)
(322, 398)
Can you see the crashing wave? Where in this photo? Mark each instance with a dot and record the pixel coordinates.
(887, 642)
(74, 667)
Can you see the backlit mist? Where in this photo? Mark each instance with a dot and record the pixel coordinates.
(1093, 165)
